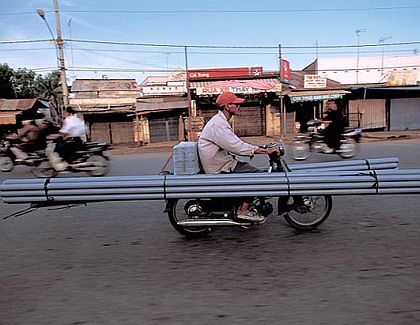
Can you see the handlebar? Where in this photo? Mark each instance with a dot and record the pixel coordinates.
(279, 146)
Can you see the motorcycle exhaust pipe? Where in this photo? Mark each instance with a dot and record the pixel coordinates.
(212, 223)
(84, 166)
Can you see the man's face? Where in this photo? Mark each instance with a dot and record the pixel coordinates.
(331, 105)
(233, 108)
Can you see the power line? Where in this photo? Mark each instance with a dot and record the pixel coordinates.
(25, 41)
(218, 11)
(238, 47)
(212, 46)
(143, 70)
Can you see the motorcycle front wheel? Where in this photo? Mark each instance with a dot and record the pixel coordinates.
(300, 150)
(44, 170)
(101, 165)
(177, 211)
(305, 212)
(349, 148)
(6, 164)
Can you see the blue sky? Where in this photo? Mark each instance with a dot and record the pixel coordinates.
(264, 23)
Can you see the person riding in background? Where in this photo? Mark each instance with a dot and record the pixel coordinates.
(217, 143)
(72, 131)
(335, 127)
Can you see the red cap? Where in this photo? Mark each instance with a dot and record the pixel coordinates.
(228, 98)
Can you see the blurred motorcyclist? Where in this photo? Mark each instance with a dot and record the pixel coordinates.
(335, 127)
(72, 132)
(27, 136)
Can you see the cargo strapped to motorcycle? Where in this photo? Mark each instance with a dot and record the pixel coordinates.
(375, 184)
(288, 183)
(49, 198)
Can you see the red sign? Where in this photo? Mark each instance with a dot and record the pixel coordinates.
(225, 72)
(284, 70)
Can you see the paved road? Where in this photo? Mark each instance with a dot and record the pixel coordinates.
(122, 263)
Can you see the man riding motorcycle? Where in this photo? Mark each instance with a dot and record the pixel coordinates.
(72, 132)
(216, 143)
(335, 127)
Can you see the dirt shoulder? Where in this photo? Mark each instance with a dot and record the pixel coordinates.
(166, 146)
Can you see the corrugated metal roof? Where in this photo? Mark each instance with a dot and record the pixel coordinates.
(162, 103)
(8, 117)
(80, 85)
(17, 104)
(298, 81)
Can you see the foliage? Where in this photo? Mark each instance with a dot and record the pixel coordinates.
(49, 87)
(6, 82)
(24, 83)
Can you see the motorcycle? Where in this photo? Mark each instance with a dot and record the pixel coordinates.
(313, 141)
(198, 217)
(92, 158)
(13, 153)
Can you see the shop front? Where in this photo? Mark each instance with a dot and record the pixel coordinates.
(258, 113)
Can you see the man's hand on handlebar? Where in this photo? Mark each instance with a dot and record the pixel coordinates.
(271, 148)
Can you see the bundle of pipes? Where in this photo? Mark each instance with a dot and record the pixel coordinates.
(160, 187)
(359, 164)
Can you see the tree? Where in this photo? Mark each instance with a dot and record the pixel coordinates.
(23, 83)
(49, 87)
(6, 82)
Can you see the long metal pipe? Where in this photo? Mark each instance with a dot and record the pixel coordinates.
(206, 186)
(155, 185)
(367, 162)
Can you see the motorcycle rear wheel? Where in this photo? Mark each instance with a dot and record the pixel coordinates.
(6, 164)
(305, 212)
(44, 170)
(300, 150)
(349, 148)
(177, 211)
(101, 163)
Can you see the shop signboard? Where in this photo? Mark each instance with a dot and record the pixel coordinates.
(239, 87)
(312, 98)
(284, 70)
(314, 81)
(224, 72)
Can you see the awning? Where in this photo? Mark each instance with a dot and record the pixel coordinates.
(8, 117)
(254, 86)
(318, 95)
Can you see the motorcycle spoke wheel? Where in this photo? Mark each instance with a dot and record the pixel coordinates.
(101, 165)
(300, 150)
(6, 164)
(177, 211)
(349, 148)
(307, 212)
(44, 170)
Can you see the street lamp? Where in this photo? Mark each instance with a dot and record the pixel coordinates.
(59, 48)
(41, 14)
(382, 40)
(358, 31)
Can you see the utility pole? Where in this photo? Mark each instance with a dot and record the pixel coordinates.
(187, 86)
(382, 41)
(60, 44)
(358, 31)
(282, 108)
